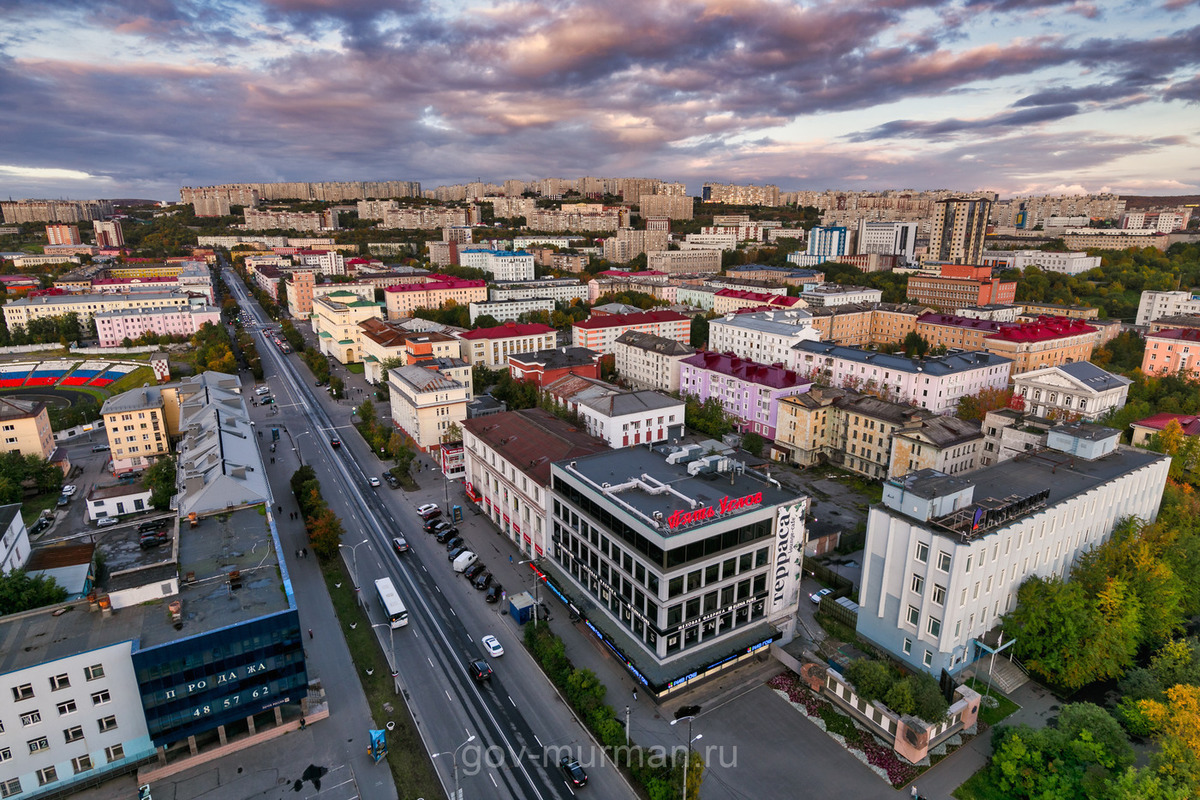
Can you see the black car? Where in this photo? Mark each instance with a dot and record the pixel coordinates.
(436, 525)
(457, 541)
(447, 533)
(474, 571)
(483, 580)
(391, 480)
(455, 553)
(400, 544)
(480, 670)
(152, 525)
(335, 443)
(493, 593)
(572, 771)
(40, 525)
(153, 539)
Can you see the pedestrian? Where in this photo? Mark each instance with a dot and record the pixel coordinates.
(297, 552)
(310, 633)
(635, 693)
(305, 551)
(510, 559)
(914, 792)
(279, 509)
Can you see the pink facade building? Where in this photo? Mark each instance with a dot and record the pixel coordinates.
(113, 327)
(747, 390)
(1173, 351)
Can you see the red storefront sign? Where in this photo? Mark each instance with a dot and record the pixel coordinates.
(709, 512)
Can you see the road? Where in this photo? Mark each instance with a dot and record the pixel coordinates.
(514, 753)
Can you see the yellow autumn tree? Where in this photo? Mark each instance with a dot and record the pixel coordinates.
(1177, 726)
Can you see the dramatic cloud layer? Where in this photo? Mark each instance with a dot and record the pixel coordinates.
(139, 97)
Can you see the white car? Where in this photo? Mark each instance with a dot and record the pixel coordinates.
(427, 510)
(104, 522)
(492, 645)
(69, 490)
(374, 482)
(816, 596)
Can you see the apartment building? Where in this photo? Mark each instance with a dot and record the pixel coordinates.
(560, 290)
(263, 220)
(1114, 239)
(1153, 305)
(827, 295)
(1189, 321)
(954, 332)
(25, 426)
(957, 230)
(502, 265)
(1045, 343)
(1078, 390)
(335, 321)
(665, 205)
(935, 384)
(777, 275)
(695, 296)
(887, 238)
(581, 217)
(748, 391)
(1032, 311)
(14, 542)
(826, 242)
(647, 361)
(1075, 263)
(680, 262)
(505, 310)
(1173, 352)
(600, 333)
(17, 211)
(627, 244)
(114, 327)
(63, 235)
(491, 347)
(137, 424)
(950, 291)
(1144, 429)
(726, 301)
(735, 195)
(679, 574)
(19, 312)
(870, 436)
(425, 403)
(945, 554)
(766, 337)
(402, 299)
(508, 457)
(863, 324)
(381, 341)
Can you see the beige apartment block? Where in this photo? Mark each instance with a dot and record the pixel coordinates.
(336, 317)
(426, 403)
(26, 429)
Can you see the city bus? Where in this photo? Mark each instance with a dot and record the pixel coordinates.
(393, 606)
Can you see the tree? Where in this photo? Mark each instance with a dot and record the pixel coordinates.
(1176, 723)
(160, 478)
(366, 411)
(915, 345)
(699, 331)
(325, 533)
(975, 407)
(20, 592)
(453, 433)
(753, 444)
(872, 679)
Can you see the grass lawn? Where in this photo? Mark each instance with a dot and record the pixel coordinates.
(411, 767)
(991, 716)
(358, 368)
(132, 381)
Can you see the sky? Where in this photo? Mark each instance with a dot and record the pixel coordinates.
(135, 98)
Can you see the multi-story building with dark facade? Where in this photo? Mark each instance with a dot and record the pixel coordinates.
(682, 563)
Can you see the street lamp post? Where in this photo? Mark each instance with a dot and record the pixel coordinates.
(354, 561)
(537, 590)
(470, 739)
(688, 756)
(392, 643)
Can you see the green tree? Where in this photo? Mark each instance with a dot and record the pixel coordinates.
(325, 532)
(160, 479)
(872, 679)
(915, 345)
(20, 592)
(753, 444)
(699, 331)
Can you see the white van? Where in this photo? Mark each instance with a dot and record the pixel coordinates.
(465, 560)
(260, 391)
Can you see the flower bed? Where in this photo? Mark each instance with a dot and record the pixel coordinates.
(863, 745)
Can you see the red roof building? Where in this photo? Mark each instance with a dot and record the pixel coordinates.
(600, 333)
(1175, 351)
(491, 347)
(1143, 429)
(728, 300)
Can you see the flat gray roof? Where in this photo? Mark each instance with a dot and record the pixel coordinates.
(221, 543)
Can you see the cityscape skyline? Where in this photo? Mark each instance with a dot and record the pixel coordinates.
(122, 99)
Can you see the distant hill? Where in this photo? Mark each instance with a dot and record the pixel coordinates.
(130, 202)
(1152, 201)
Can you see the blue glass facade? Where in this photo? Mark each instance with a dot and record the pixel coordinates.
(193, 685)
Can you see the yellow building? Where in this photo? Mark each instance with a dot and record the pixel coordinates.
(26, 428)
(136, 424)
(435, 292)
(425, 404)
(336, 317)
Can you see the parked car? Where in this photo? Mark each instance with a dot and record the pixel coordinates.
(152, 525)
(69, 490)
(483, 580)
(479, 670)
(816, 596)
(456, 541)
(105, 522)
(99, 448)
(401, 544)
(40, 526)
(429, 511)
(572, 771)
(493, 593)
(63, 500)
(473, 571)
(436, 525)
(391, 480)
(153, 539)
(492, 645)
(464, 560)
(455, 553)
(447, 533)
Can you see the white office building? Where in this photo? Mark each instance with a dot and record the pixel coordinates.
(505, 310)
(1078, 389)
(1066, 263)
(1153, 305)
(766, 337)
(888, 238)
(945, 555)
(560, 290)
(502, 265)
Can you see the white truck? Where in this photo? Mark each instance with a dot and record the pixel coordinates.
(465, 560)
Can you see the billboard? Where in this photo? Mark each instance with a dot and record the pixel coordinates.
(788, 553)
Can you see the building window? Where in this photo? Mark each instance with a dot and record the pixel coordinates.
(73, 734)
(944, 561)
(914, 615)
(5, 754)
(35, 745)
(101, 697)
(22, 692)
(32, 718)
(59, 682)
(918, 584)
(114, 753)
(94, 672)
(81, 764)
(922, 552)
(939, 594)
(67, 707)
(934, 627)
(47, 775)
(907, 646)
(928, 659)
